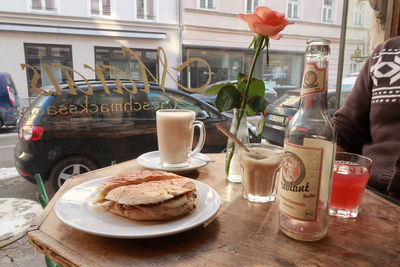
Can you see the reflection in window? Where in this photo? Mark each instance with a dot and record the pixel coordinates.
(115, 57)
(37, 55)
(251, 5)
(293, 9)
(145, 9)
(224, 64)
(44, 5)
(284, 70)
(101, 7)
(207, 4)
(358, 15)
(327, 11)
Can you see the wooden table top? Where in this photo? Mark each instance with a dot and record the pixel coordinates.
(242, 234)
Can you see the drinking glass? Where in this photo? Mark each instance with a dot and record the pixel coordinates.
(175, 130)
(260, 170)
(350, 176)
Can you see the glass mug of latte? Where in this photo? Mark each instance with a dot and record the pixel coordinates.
(175, 130)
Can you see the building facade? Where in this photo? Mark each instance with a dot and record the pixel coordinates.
(222, 39)
(77, 32)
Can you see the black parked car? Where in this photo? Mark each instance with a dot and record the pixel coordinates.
(283, 109)
(64, 135)
(9, 101)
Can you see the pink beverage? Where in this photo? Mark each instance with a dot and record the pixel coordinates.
(349, 181)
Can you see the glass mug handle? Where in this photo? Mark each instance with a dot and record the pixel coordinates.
(202, 138)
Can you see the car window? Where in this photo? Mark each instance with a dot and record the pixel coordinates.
(171, 100)
(117, 107)
(288, 100)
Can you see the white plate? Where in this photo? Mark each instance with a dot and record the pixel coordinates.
(75, 208)
(151, 160)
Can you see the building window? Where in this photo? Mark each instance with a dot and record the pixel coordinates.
(251, 5)
(116, 57)
(293, 11)
(284, 70)
(100, 7)
(37, 55)
(145, 9)
(225, 65)
(207, 4)
(327, 11)
(358, 14)
(44, 5)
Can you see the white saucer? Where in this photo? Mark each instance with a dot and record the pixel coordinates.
(151, 160)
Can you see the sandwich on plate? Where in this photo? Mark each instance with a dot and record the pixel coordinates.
(147, 195)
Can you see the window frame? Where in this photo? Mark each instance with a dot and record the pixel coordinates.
(332, 8)
(298, 9)
(145, 15)
(43, 7)
(142, 51)
(101, 14)
(207, 4)
(360, 13)
(46, 56)
(253, 7)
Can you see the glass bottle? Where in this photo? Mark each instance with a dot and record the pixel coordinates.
(309, 149)
(232, 167)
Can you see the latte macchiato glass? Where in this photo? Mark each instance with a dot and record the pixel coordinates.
(260, 170)
(175, 130)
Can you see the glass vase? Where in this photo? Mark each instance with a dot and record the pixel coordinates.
(239, 129)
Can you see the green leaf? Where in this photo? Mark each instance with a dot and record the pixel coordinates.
(260, 126)
(228, 98)
(213, 90)
(257, 103)
(257, 88)
(250, 112)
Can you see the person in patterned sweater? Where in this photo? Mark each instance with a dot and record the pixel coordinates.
(369, 121)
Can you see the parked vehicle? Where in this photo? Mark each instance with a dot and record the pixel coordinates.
(270, 93)
(9, 101)
(65, 135)
(283, 109)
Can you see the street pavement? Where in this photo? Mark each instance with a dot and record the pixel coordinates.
(20, 252)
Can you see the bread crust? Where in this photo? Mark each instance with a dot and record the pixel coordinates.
(147, 195)
(134, 177)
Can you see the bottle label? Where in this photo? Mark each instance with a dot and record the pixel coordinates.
(301, 186)
(314, 79)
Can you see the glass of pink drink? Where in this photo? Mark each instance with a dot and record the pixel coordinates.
(350, 176)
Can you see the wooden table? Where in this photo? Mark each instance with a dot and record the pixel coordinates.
(242, 234)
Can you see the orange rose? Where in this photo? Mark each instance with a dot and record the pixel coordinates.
(266, 21)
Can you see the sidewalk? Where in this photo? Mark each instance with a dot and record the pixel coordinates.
(20, 253)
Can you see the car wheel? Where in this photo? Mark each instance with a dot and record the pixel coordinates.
(67, 168)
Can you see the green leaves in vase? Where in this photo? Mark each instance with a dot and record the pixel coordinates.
(234, 95)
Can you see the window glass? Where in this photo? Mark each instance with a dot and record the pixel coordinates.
(293, 9)
(101, 7)
(95, 7)
(37, 55)
(145, 9)
(106, 7)
(251, 5)
(284, 70)
(130, 67)
(208, 4)
(357, 45)
(327, 12)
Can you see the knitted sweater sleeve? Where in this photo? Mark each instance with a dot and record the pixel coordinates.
(352, 119)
